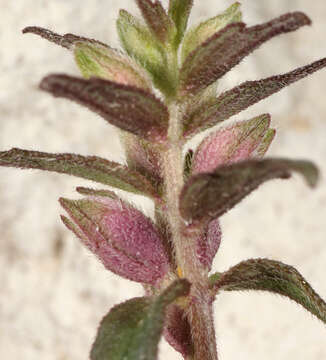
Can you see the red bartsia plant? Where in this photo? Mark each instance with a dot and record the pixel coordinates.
(160, 91)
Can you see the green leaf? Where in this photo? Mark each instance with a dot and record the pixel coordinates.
(265, 143)
(145, 49)
(95, 60)
(199, 34)
(225, 49)
(179, 11)
(127, 107)
(132, 330)
(233, 101)
(275, 277)
(209, 195)
(156, 18)
(67, 41)
(87, 167)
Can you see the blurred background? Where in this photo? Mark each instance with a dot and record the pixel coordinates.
(53, 292)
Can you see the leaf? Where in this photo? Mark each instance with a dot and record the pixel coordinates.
(87, 167)
(265, 143)
(230, 144)
(222, 51)
(208, 244)
(66, 41)
(179, 11)
(156, 18)
(95, 60)
(132, 330)
(272, 276)
(187, 165)
(122, 237)
(143, 157)
(233, 101)
(199, 34)
(177, 331)
(209, 195)
(146, 50)
(127, 107)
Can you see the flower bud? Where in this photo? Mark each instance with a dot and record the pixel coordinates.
(125, 240)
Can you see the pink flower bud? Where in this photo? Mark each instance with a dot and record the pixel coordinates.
(125, 240)
(209, 243)
(232, 144)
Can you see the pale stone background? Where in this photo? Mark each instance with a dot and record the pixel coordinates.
(53, 292)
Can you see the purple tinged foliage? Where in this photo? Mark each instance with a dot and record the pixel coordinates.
(142, 157)
(95, 60)
(67, 41)
(275, 277)
(177, 331)
(188, 201)
(208, 244)
(127, 107)
(233, 101)
(87, 167)
(221, 52)
(209, 195)
(125, 240)
(156, 17)
(231, 144)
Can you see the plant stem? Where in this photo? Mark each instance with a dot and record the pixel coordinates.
(200, 314)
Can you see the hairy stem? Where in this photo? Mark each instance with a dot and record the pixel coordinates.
(184, 242)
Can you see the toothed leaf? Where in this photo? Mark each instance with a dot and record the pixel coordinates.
(199, 34)
(209, 195)
(132, 330)
(241, 97)
(222, 51)
(275, 277)
(179, 11)
(88, 167)
(231, 144)
(145, 49)
(127, 107)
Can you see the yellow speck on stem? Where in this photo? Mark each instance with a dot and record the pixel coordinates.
(179, 272)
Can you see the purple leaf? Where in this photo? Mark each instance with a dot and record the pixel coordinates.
(125, 240)
(231, 144)
(177, 331)
(156, 18)
(241, 97)
(209, 243)
(87, 167)
(225, 49)
(275, 277)
(127, 107)
(142, 157)
(207, 196)
(65, 41)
